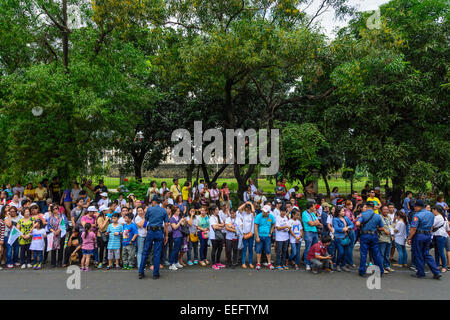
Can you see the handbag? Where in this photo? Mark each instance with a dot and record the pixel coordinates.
(193, 237)
(218, 233)
(346, 240)
(205, 234)
(185, 230)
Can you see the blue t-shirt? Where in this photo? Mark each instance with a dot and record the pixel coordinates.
(405, 204)
(129, 230)
(264, 224)
(306, 217)
(114, 241)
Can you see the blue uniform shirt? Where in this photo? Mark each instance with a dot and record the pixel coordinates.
(373, 223)
(423, 220)
(156, 216)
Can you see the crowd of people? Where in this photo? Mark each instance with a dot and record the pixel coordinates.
(82, 225)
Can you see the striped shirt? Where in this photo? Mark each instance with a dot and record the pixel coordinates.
(114, 241)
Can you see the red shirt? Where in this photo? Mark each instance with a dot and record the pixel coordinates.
(317, 248)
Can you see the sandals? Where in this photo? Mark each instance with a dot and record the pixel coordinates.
(280, 268)
(251, 266)
(244, 266)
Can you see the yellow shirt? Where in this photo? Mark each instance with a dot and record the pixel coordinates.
(28, 192)
(175, 191)
(40, 193)
(376, 201)
(185, 193)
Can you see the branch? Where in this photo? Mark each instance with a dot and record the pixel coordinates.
(101, 39)
(218, 173)
(317, 13)
(260, 90)
(50, 48)
(307, 97)
(234, 15)
(60, 26)
(183, 25)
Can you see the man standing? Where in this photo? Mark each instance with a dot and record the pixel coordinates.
(310, 224)
(99, 189)
(264, 227)
(420, 239)
(369, 223)
(375, 200)
(54, 188)
(252, 186)
(156, 220)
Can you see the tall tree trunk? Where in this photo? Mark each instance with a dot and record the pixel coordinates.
(324, 177)
(242, 179)
(189, 172)
(397, 184)
(138, 160)
(65, 35)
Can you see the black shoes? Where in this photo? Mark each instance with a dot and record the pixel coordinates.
(141, 275)
(437, 276)
(416, 276)
(156, 277)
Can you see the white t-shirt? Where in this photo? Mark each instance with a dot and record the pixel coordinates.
(296, 227)
(142, 232)
(248, 222)
(14, 223)
(37, 241)
(234, 222)
(400, 236)
(17, 205)
(223, 217)
(253, 189)
(213, 221)
(103, 202)
(287, 196)
(276, 212)
(20, 190)
(121, 220)
(439, 221)
(281, 235)
(335, 199)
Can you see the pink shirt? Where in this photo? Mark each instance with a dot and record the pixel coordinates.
(89, 241)
(349, 215)
(90, 220)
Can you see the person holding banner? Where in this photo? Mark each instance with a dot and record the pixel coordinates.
(11, 238)
(25, 225)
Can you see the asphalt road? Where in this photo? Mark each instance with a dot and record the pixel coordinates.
(226, 284)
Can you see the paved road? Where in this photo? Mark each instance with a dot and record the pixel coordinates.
(201, 283)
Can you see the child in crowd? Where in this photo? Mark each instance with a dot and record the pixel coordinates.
(295, 237)
(130, 233)
(88, 246)
(37, 243)
(114, 232)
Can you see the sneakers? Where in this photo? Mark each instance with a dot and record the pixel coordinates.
(178, 265)
(338, 268)
(100, 265)
(220, 265)
(195, 262)
(39, 266)
(24, 266)
(173, 267)
(265, 264)
(215, 266)
(108, 268)
(397, 265)
(190, 263)
(35, 266)
(386, 271)
(279, 268)
(125, 267)
(118, 268)
(315, 270)
(308, 268)
(166, 263)
(344, 268)
(271, 267)
(286, 267)
(29, 265)
(258, 266)
(390, 269)
(202, 264)
(17, 264)
(10, 266)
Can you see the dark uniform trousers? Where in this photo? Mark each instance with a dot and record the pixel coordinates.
(154, 239)
(369, 241)
(421, 247)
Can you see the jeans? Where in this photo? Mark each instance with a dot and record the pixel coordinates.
(12, 252)
(349, 254)
(385, 251)
(402, 254)
(264, 243)
(203, 246)
(140, 248)
(310, 239)
(231, 250)
(248, 244)
(295, 252)
(420, 244)
(37, 254)
(439, 250)
(369, 242)
(167, 246)
(194, 247)
(25, 251)
(176, 248)
(343, 253)
(332, 251)
(282, 248)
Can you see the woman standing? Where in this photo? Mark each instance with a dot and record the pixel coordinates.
(203, 228)
(12, 251)
(41, 196)
(231, 239)
(334, 195)
(74, 194)
(348, 205)
(176, 222)
(214, 194)
(54, 222)
(29, 192)
(25, 225)
(247, 213)
(193, 237)
(216, 224)
(440, 234)
(163, 188)
(152, 191)
(66, 200)
(342, 226)
(102, 221)
(2, 232)
(400, 239)
(180, 204)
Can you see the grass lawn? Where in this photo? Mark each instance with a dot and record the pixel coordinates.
(344, 186)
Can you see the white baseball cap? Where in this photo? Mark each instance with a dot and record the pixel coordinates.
(266, 208)
(103, 208)
(92, 209)
(104, 194)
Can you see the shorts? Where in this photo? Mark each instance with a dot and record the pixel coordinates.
(264, 241)
(88, 252)
(447, 244)
(113, 254)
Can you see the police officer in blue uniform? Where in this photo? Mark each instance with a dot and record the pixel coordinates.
(369, 222)
(156, 222)
(420, 239)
